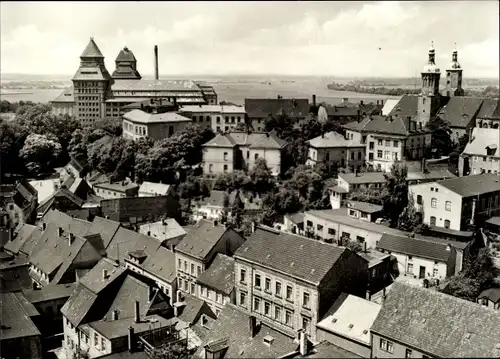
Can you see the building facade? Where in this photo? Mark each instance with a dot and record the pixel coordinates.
(220, 118)
(482, 152)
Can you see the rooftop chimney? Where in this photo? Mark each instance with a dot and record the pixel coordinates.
(361, 102)
(423, 165)
(252, 326)
(149, 233)
(105, 274)
(303, 342)
(215, 223)
(157, 76)
(59, 231)
(131, 339)
(137, 317)
(368, 295)
(314, 100)
(71, 238)
(364, 247)
(358, 117)
(44, 226)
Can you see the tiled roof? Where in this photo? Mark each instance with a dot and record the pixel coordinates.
(474, 185)
(414, 247)
(20, 238)
(65, 96)
(363, 178)
(105, 227)
(243, 138)
(192, 309)
(216, 199)
(494, 220)
(440, 324)
(162, 264)
(157, 189)
(78, 305)
(27, 190)
(140, 116)
(220, 274)
(352, 317)
(14, 275)
(269, 141)
(430, 175)
(125, 55)
(364, 206)
(213, 108)
(131, 290)
(94, 280)
(406, 107)
(459, 111)
(332, 139)
(31, 241)
(50, 292)
(158, 103)
(112, 329)
(492, 294)
(154, 85)
(389, 106)
(327, 350)
(97, 73)
(14, 316)
(231, 328)
(488, 108)
(199, 241)
(285, 252)
(357, 126)
(296, 218)
(221, 140)
(74, 225)
(481, 139)
(163, 230)
(126, 241)
(118, 186)
(91, 50)
(262, 108)
(395, 125)
(28, 307)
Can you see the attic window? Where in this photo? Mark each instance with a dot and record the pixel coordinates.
(334, 320)
(365, 331)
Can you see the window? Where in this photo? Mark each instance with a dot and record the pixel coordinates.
(352, 155)
(305, 300)
(370, 156)
(433, 221)
(243, 275)
(305, 324)
(267, 308)
(331, 231)
(288, 317)
(380, 142)
(192, 268)
(218, 119)
(277, 313)
(447, 205)
(180, 282)
(289, 292)
(278, 289)
(309, 224)
(185, 266)
(218, 298)
(268, 285)
(257, 280)
(256, 156)
(433, 202)
(435, 272)
(327, 158)
(410, 268)
(446, 223)
(319, 227)
(371, 145)
(170, 130)
(96, 339)
(395, 143)
(243, 297)
(203, 291)
(225, 156)
(419, 199)
(379, 154)
(225, 168)
(256, 304)
(360, 154)
(198, 271)
(360, 239)
(352, 213)
(210, 168)
(387, 155)
(103, 344)
(386, 345)
(408, 353)
(186, 284)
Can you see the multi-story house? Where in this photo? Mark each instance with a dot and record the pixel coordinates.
(482, 152)
(212, 207)
(240, 150)
(20, 202)
(196, 252)
(259, 110)
(216, 284)
(332, 149)
(454, 204)
(152, 189)
(276, 285)
(413, 324)
(489, 114)
(220, 118)
(490, 298)
(167, 231)
(111, 190)
(460, 113)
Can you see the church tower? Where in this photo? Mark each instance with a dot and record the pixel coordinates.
(429, 99)
(454, 77)
(91, 85)
(126, 66)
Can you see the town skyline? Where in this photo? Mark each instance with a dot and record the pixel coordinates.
(303, 37)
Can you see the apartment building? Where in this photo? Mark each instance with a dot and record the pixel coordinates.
(19, 201)
(422, 323)
(152, 189)
(276, 285)
(167, 231)
(196, 252)
(482, 152)
(489, 114)
(220, 118)
(155, 125)
(333, 150)
(260, 109)
(456, 203)
(111, 190)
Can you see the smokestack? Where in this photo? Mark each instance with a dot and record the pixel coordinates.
(314, 100)
(157, 76)
(252, 324)
(131, 339)
(136, 312)
(303, 342)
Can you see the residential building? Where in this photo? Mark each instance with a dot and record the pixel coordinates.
(152, 189)
(116, 190)
(62, 200)
(460, 113)
(196, 252)
(294, 223)
(454, 204)
(382, 270)
(19, 337)
(333, 150)
(482, 152)
(422, 323)
(14, 273)
(20, 235)
(126, 242)
(489, 114)
(349, 111)
(364, 210)
(216, 284)
(490, 298)
(347, 324)
(259, 110)
(419, 258)
(167, 231)
(240, 150)
(388, 106)
(220, 118)
(96, 94)
(19, 201)
(213, 207)
(276, 285)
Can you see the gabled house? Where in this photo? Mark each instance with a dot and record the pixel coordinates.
(19, 202)
(259, 110)
(460, 112)
(212, 207)
(152, 189)
(489, 114)
(482, 152)
(490, 298)
(167, 231)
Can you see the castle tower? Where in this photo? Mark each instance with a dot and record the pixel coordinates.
(126, 66)
(454, 77)
(91, 84)
(429, 99)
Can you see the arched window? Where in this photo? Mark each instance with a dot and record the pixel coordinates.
(433, 221)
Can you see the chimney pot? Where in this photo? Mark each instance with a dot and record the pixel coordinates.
(303, 342)
(314, 100)
(368, 295)
(131, 345)
(252, 324)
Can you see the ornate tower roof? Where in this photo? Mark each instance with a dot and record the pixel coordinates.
(454, 65)
(126, 66)
(431, 64)
(92, 50)
(126, 55)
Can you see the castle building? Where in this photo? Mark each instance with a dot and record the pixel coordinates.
(96, 94)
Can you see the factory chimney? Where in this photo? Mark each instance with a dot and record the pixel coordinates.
(157, 77)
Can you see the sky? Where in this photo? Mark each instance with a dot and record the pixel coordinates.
(251, 38)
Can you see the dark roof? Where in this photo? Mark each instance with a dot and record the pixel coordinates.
(489, 109)
(94, 280)
(125, 55)
(131, 290)
(406, 107)
(221, 140)
(162, 264)
(64, 192)
(285, 252)
(395, 125)
(474, 185)
(50, 292)
(14, 275)
(492, 220)
(126, 241)
(253, 140)
(414, 247)
(105, 227)
(31, 241)
(20, 238)
(231, 330)
(74, 225)
(326, 349)
(78, 305)
(92, 50)
(199, 241)
(269, 140)
(260, 108)
(192, 309)
(459, 111)
(492, 294)
(362, 178)
(76, 164)
(364, 206)
(296, 218)
(27, 190)
(15, 316)
(112, 329)
(442, 325)
(220, 274)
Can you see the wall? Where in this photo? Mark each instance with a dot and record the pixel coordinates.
(429, 264)
(363, 350)
(24, 347)
(480, 163)
(399, 350)
(272, 157)
(62, 108)
(185, 277)
(213, 158)
(168, 288)
(121, 210)
(208, 212)
(215, 299)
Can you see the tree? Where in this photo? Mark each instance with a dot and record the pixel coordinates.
(9, 149)
(261, 177)
(441, 136)
(408, 219)
(40, 153)
(232, 181)
(397, 193)
(241, 127)
(354, 246)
